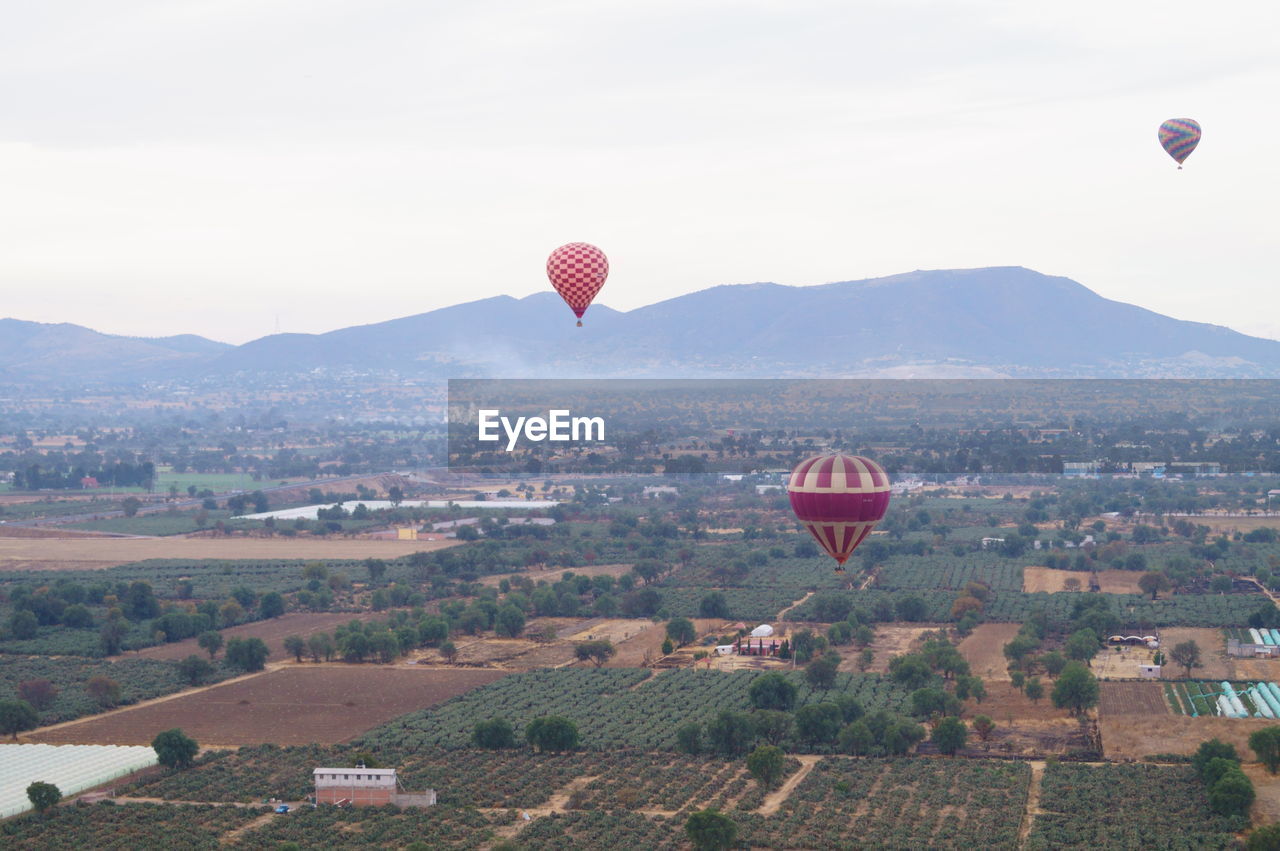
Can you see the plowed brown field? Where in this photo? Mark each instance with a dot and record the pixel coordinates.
(296, 705)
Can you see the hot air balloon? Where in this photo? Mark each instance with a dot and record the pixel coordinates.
(839, 498)
(1179, 137)
(578, 271)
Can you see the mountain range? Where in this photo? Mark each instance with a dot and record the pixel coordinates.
(1000, 321)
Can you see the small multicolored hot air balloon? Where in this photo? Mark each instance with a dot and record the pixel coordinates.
(578, 271)
(1179, 137)
(839, 498)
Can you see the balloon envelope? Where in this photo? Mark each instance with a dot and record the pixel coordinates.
(578, 271)
(1179, 137)
(839, 498)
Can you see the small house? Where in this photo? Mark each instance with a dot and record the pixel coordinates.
(360, 786)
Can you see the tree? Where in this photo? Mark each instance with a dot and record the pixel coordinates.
(950, 735)
(553, 733)
(597, 652)
(1266, 744)
(821, 673)
(195, 670)
(771, 725)
(1153, 582)
(509, 622)
(105, 691)
(295, 644)
(320, 644)
(1232, 795)
(1053, 662)
(772, 691)
(494, 734)
(1034, 689)
(912, 670)
(16, 716)
(911, 608)
(24, 625)
(111, 635)
(271, 605)
(211, 642)
(1211, 750)
(1264, 839)
(39, 693)
(174, 748)
(689, 739)
(711, 830)
(247, 654)
(131, 505)
(43, 796)
(449, 651)
(1187, 654)
(984, 727)
(681, 631)
(818, 723)
(767, 764)
(1082, 645)
(1076, 689)
(856, 739)
(377, 569)
(731, 733)
(713, 605)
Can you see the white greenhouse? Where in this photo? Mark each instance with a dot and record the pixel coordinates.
(72, 768)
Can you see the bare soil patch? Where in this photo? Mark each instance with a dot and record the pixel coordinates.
(643, 643)
(1121, 662)
(1137, 699)
(81, 553)
(272, 632)
(891, 640)
(1024, 728)
(298, 705)
(554, 574)
(1213, 655)
(1133, 736)
(1052, 580)
(983, 649)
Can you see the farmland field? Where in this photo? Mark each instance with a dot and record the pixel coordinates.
(1126, 698)
(1053, 580)
(272, 631)
(126, 828)
(81, 553)
(296, 705)
(1079, 809)
(613, 707)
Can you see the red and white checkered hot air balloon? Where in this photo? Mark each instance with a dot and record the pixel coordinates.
(578, 271)
(839, 498)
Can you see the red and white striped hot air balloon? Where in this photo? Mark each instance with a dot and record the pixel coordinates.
(578, 271)
(839, 498)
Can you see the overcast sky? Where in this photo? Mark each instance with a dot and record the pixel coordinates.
(178, 166)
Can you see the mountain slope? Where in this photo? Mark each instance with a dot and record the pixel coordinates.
(979, 322)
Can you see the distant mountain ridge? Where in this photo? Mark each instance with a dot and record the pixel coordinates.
(1000, 321)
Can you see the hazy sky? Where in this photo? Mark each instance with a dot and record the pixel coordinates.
(203, 167)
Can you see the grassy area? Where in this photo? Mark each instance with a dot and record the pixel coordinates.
(217, 482)
(154, 524)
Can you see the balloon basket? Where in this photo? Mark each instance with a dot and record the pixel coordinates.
(579, 323)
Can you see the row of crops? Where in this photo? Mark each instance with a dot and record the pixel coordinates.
(132, 827)
(1224, 699)
(139, 679)
(949, 572)
(609, 712)
(1127, 806)
(1206, 610)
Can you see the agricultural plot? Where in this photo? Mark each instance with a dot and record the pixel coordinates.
(600, 830)
(613, 707)
(290, 706)
(1200, 698)
(1010, 607)
(272, 631)
(1128, 698)
(1079, 809)
(377, 827)
(125, 827)
(98, 553)
(139, 679)
(899, 803)
(948, 572)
